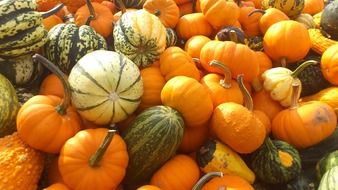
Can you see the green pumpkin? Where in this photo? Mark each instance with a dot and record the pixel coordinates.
(21, 28)
(21, 71)
(171, 37)
(329, 180)
(67, 43)
(329, 20)
(140, 36)
(276, 162)
(152, 138)
(292, 8)
(9, 107)
(326, 163)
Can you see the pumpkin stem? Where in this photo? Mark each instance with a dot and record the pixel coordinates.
(295, 94)
(52, 11)
(270, 146)
(283, 62)
(194, 2)
(94, 160)
(205, 178)
(61, 109)
(121, 6)
(257, 11)
(91, 10)
(247, 97)
(157, 12)
(301, 67)
(233, 36)
(226, 82)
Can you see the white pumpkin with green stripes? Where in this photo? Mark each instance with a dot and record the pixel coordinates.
(106, 87)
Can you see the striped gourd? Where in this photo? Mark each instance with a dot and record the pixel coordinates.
(330, 180)
(327, 162)
(137, 4)
(292, 8)
(140, 36)
(152, 138)
(21, 70)
(67, 43)
(171, 37)
(21, 28)
(319, 43)
(9, 107)
(106, 87)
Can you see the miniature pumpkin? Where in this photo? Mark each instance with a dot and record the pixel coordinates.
(193, 138)
(51, 21)
(166, 10)
(194, 45)
(264, 62)
(279, 41)
(73, 6)
(262, 101)
(250, 23)
(93, 159)
(193, 24)
(305, 124)
(47, 122)
(313, 7)
(270, 17)
(52, 85)
(329, 64)
(190, 98)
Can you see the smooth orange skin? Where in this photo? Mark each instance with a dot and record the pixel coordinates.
(194, 45)
(230, 182)
(238, 127)
(148, 187)
(51, 21)
(249, 24)
(264, 119)
(193, 24)
(313, 7)
(262, 101)
(329, 64)
(181, 2)
(52, 85)
(57, 186)
(169, 11)
(75, 154)
(180, 172)
(42, 127)
(270, 17)
(264, 62)
(304, 126)
(287, 39)
(193, 138)
(190, 98)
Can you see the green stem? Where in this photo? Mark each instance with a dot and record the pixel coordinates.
(205, 178)
(94, 160)
(52, 11)
(247, 97)
(62, 108)
(226, 82)
(295, 94)
(301, 67)
(257, 11)
(269, 144)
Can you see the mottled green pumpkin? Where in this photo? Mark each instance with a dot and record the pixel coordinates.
(171, 37)
(327, 162)
(292, 8)
(329, 180)
(140, 36)
(9, 107)
(67, 43)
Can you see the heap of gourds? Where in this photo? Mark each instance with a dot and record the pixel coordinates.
(168, 94)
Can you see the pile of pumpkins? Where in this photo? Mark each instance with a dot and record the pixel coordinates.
(168, 94)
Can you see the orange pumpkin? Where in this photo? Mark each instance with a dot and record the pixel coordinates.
(238, 57)
(46, 122)
(222, 89)
(73, 6)
(51, 21)
(266, 121)
(46, 5)
(264, 62)
(329, 64)
(166, 10)
(153, 82)
(176, 62)
(98, 16)
(193, 138)
(191, 25)
(110, 5)
(249, 24)
(304, 124)
(262, 101)
(148, 187)
(181, 2)
(57, 186)
(279, 41)
(93, 159)
(52, 85)
(313, 7)
(257, 3)
(194, 45)
(190, 98)
(270, 16)
(220, 12)
(186, 8)
(237, 126)
(180, 172)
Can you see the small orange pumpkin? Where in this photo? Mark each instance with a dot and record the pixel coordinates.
(110, 5)
(52, 85)
(264, 61)
(191, 25)
(270, 16)
(166, 10)
(313, 7)
(193, 138)
(194, 45)
(249, 24)
(73, 6)
(51, 21)
(329, 64)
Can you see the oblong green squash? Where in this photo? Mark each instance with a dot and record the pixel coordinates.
(152, 138)
(326, 163)
(9, 107)
(329, 180)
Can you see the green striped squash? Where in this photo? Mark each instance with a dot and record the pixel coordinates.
(9, 107)
(21, 70)
(330, 180)
(292, 8)
(106, 87)
(67, 43)
(21, 28)
(140, 36)
(276, 162)
(171, 37)
(152, 138)
(137, 4)
(327, 162)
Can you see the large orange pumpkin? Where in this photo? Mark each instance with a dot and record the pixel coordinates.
(329, 64)
(193, 24)
(166, 10)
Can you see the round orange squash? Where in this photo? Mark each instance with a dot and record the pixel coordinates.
(193, 24)
(270, 16)
(329, 64)
(166, 10)
(313, 7)
(194, 45)
(52, 85)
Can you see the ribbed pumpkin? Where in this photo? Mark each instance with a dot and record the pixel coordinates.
(137, 4)
(194, 45)
(292, 8)
(249, 23)
(22, 31)
(329, 64)
(313, 6)
(193, 24)
(152, 138)
(193, 138)
(270, 16)
(67, 43)
(190, 98)
(21, 165)
(52, 85)
(176, 62)
(166, 10)
(140, 36)
(9, 107)
(51, 21)
(262, 101)
(106, 87)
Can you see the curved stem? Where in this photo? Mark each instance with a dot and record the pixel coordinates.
(257, 11)
(62, 108)
(247, 97)
(89, 19)
(226, 82)
(301, 67)
(205, 178)
(121, 5)
(295, 94)
(233, 36)
(91, 9)
(94, 160)
(52, 11)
